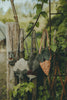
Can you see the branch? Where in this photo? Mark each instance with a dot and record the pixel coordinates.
(16, 20)
(14, 12)
(34, 24)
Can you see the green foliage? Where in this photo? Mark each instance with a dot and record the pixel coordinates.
(4, 20)
(43, 13)
(3, 0)
(21, 90)
(56, 21)
(35, 17)
(37, 24)
(43, 94)
(53, 48)
(45, 1)
(3, 91)
(39, 8)
(59, 23)
(30, 26)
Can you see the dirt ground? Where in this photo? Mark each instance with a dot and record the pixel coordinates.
(3, 73)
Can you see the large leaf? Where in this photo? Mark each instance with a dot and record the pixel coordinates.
(43, 13)
(39, 8)
(53, 48)
(29, 26)
(38, 11)
(35, 17)
(37, 24)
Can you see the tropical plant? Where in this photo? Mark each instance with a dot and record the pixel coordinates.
(21, 90)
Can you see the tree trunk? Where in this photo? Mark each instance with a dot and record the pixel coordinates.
(16, 20)
(14, 11)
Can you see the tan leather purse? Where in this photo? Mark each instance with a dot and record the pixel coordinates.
(46, 64)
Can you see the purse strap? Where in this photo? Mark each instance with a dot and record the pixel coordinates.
(44, 32)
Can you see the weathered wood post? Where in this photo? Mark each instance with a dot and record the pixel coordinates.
(33, 42)
(12, 40)
(21, 43)
(33, 50)
(34, 93)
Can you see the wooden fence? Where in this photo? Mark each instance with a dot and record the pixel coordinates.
(15, 51)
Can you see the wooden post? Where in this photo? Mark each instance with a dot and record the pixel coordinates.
(12, 40)
(34, 93)
(33, 43)
(22, 43)
(33, 79)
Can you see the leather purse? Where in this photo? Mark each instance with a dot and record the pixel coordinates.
(45, 65)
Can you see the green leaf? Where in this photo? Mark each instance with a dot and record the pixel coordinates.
(38, 11)
(44, 98)
(39, 8)
(45, 1)
(53, 48)
(35, 17)
(37, 24)
(64, 46)
(41, 88)
(30, 26)
(43, 13)
(15, 90)
(14, 93)
(19, 98)
(27, 89)
(21, 89)
(30, 90)
(3, 0)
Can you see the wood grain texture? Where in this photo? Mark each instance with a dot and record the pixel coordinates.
(12, 41)
(21, 43)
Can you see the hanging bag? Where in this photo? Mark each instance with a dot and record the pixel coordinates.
(45, 65)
